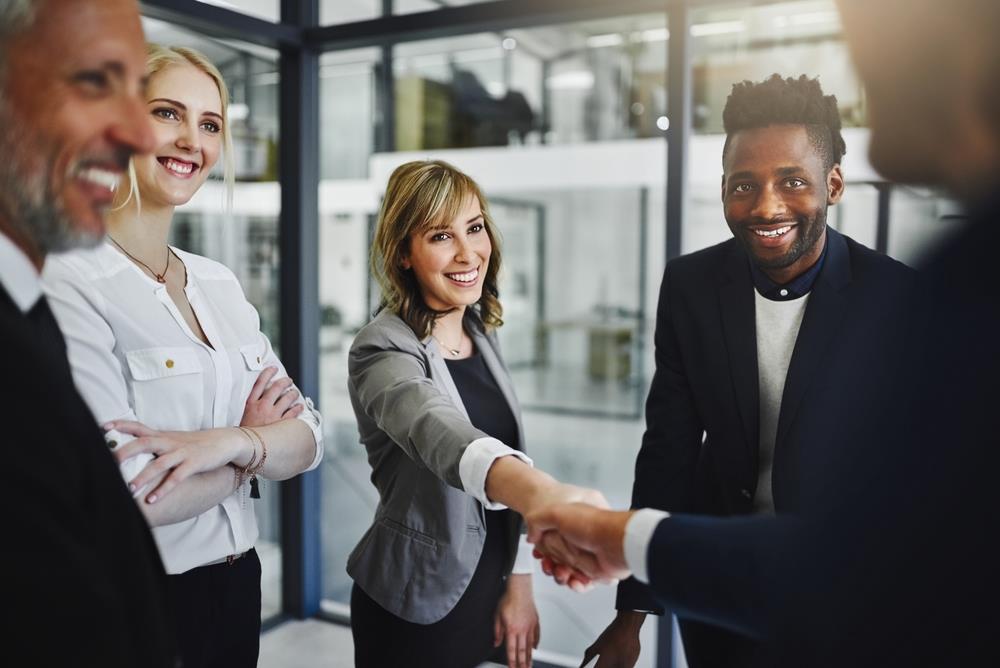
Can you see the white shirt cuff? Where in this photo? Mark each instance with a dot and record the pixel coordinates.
(132, 466)
(475, 465)
(524, 562)
(638, 533)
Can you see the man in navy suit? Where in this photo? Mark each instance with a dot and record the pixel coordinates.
(891, 558)
(743, 332)
(82, 575)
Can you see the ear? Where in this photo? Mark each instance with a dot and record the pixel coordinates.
(404, 264)
(834, 185)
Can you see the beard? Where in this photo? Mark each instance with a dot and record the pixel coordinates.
(29, 200)
(810, 230)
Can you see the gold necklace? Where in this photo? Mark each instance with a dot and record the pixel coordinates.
(455, 352)
(160, 278)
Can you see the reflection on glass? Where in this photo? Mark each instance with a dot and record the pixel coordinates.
(262, 9)
(246, 238)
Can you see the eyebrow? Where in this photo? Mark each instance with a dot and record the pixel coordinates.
(183, 106)
(474, 218)
(781, 171)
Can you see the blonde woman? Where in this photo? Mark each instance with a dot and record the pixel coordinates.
(442, 577)
(169, 355)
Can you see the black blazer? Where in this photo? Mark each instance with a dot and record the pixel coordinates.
(891, 557)
(82, 575)
(700, 450)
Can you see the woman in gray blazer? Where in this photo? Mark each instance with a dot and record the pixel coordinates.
(443, 575)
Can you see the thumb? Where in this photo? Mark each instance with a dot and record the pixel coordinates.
(497, 631)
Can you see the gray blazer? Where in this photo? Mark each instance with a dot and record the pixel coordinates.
(418, 557)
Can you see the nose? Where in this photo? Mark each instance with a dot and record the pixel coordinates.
(188, 137)
(768, 205)
(463, 249)
(133, 132)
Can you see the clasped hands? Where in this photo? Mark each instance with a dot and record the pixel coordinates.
(579, 543)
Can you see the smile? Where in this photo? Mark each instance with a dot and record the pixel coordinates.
(771, 234)
(99, 177)
(177, 167)
(468, 277)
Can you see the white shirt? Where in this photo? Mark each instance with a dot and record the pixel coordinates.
(134, 357)
(638, 533)
(18, 276)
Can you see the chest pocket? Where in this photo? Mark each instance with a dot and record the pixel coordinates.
(253, 364)
(167, 387)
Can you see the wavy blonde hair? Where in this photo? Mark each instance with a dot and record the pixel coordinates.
(159, 58)
(422, 195)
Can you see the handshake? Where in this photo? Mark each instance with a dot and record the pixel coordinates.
(579, 540)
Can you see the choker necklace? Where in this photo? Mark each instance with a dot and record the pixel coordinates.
(455, 352)
(160, 278)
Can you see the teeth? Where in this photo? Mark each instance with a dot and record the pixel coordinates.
(100, 177)
(464, 278)
(178, 167)
(773, 233)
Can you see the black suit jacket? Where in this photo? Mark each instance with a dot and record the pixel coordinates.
(700, 450)
(83, 582)
(891, 557)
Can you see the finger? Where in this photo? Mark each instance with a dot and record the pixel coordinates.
(286, 400)
(293, 412)
(522, 650)
(497, 631)
(277, 388)
(145, 444)
(260, 384)
(152, 470)
(512, 650)
(129, 427)
(538, 633)
(176, 477)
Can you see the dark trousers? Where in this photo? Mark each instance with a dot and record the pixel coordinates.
(216, 611)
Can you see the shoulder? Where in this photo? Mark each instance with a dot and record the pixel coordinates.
(90, 264)
(386, 331)
(697, 267)
(870, 265)
(205, 269)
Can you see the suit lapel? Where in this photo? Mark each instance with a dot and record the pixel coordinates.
(736, 301)
(820, 327)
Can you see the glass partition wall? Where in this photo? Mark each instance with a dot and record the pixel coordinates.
(566, 112)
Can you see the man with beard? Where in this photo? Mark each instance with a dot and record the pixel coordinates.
(892, 558)
(743, 332)
(81, 572)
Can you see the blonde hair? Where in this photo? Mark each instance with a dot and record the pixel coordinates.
(159, 58)
(420, 196)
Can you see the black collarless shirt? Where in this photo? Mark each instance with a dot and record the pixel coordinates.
(799, 286)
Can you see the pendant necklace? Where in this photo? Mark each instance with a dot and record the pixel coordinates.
(455, 352)
(160, 278)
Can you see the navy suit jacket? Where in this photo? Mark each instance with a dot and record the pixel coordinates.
(890, 556)
(700, 450)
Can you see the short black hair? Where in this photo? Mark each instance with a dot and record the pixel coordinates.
(777, 101)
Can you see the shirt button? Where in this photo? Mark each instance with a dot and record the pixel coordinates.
(783, 292)
(170, 364)
(112, 444)
(258, 359)
(745, 493)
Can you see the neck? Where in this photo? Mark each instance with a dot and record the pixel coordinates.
(143, 233)
(25, 243)
(448, 327)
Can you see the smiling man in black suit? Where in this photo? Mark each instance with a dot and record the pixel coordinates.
(743, 331)
(82, 575)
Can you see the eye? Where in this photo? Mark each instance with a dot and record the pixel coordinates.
(166, 113)
(742, 188)
(478, 227)
(440, 236)
(795, 182)
(211, 126)
(92, 82)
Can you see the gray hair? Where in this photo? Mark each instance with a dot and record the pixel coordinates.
(16, 16)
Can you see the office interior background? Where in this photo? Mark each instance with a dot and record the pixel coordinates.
(594, 128)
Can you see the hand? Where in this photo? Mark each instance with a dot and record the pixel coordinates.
(618, 646)
(516, 620)
(178, 454)
(592, 539)
(270, 402)
(557, 493)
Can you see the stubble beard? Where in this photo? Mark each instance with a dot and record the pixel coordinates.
(28, 198)
(812, 230)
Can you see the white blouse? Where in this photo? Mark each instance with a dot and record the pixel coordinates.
(134, 357)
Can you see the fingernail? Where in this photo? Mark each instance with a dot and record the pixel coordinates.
(131, 487)
(109, 426)
(151, 498)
